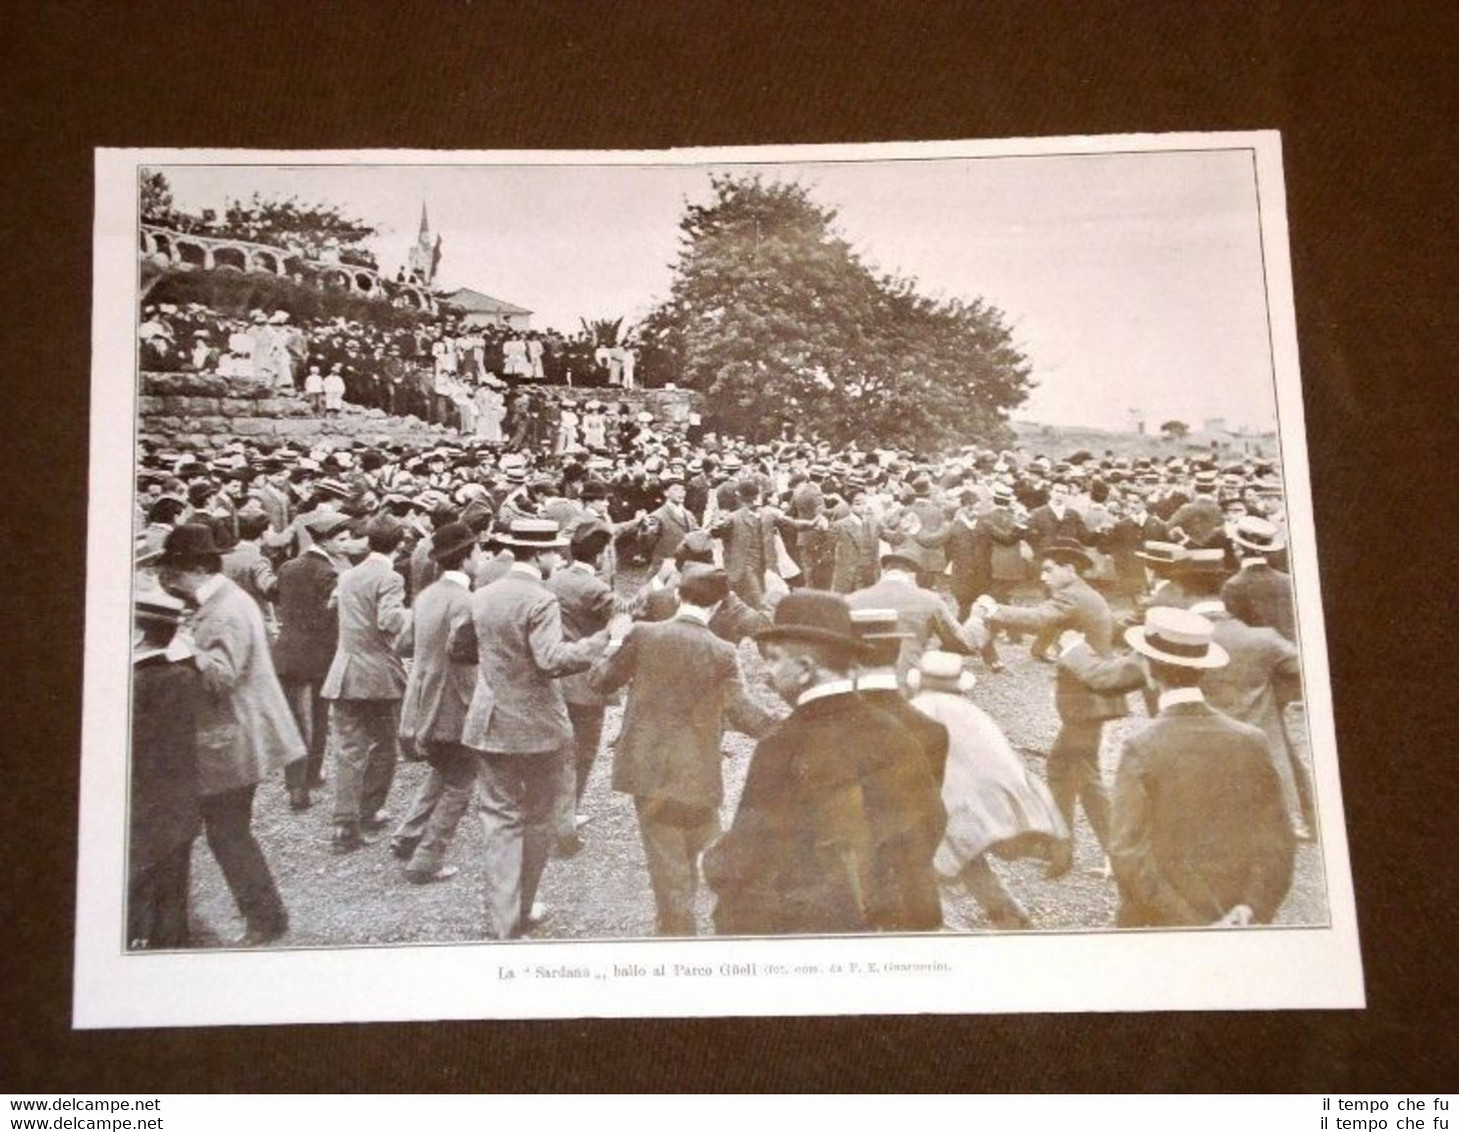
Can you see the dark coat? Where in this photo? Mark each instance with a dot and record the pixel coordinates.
(308, 623)
(439, 688)
(163, 813)
(797, 858)
(1044, 527)
(1198, 824)
(1262, 597)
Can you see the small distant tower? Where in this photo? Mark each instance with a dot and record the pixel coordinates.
(425, 257)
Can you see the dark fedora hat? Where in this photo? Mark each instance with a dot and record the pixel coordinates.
(531, 534)
(451, 539)
(815, 617)
(596, 489)
(1069, 553)
(589, 540)
(187, 542)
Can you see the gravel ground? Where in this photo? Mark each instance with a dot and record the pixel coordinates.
(603, 891)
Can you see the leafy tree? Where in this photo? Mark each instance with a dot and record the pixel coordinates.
(1175, 430)
(156, 194)
(776, 319)
(310, 227)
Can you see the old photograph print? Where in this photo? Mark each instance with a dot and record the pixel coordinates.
(909, 544)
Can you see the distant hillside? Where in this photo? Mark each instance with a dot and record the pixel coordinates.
(1058, 441)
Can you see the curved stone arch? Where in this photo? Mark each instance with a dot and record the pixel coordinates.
(337, 274)
(232, 258)
(261, 259)
(162, 245)
(193, 253)
(363, 281)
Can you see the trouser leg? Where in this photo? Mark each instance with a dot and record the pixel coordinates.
(413, 826)
(671, 849)
(227, 819)
(383, 721)
(310, 716)
(985, 886)
(587, 737)
(541, 778)
(351, 756)
(1073, 770)
(157, 900)
(454, 767)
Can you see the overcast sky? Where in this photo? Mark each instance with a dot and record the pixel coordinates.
(1131, 281)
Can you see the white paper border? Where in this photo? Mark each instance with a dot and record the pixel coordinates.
(1271, 968)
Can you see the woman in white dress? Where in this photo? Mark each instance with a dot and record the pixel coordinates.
(490, 408)
(567, 429)
(994, 805)
(595, 427)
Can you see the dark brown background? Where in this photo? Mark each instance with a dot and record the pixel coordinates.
(1365, 101)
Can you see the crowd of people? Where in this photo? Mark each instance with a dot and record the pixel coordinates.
(479, 606)
(435, 369)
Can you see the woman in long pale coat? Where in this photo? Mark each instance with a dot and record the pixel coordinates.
(490, 408)
(994, 805)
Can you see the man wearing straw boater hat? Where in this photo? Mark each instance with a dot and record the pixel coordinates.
(1258, 593)
(1199, 831)
(518, 719)
(798, 857)
(1073, 764)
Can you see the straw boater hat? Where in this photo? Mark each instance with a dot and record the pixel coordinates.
(1258, 535)
(1177, 636)
(158, 606)
(879, 625)
(531, 534)
(812, 617)
(897, 557)
(940, 672)
(1161, 553)
(1202, 560)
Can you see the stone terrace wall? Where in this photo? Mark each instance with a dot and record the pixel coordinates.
(191, 410)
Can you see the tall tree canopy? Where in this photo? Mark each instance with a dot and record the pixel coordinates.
(775, 318)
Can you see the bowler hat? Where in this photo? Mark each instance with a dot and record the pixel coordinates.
(814, 617)
(190, 540)
(589, 541)
(892, 556)
(451, 539)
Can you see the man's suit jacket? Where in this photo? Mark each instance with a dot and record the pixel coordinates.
(749, 551)
(920, 612)
(1202, 522)
(855, 543)
(673, 522)
(1044, 526)
(1262, 674)
(932, 532)
(587, 604)
(247, 568)
(733, 621)
(517, 639)
(1262, 597)
(423, 568)
(438, 690)
(798, 856)
(245, 728)
(1076, 606)
(371, 615)
(308, 623)
(1198, 824)
(684, 684)
(276, 506)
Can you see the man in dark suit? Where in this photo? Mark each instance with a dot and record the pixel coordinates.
(433, 710)
(684, 685)
(658, 599)
(1056, 520)
(855, 542)
(903, 793)
(798, 856)
(365, 683)
(518, 719)
(1199, 831)
(671, 521)
(308, 635)
(1073, 764)
(423, 568)
(1257, 593)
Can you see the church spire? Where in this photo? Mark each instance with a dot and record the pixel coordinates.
(425, 224)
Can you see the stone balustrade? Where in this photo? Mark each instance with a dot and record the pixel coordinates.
(191, 250)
